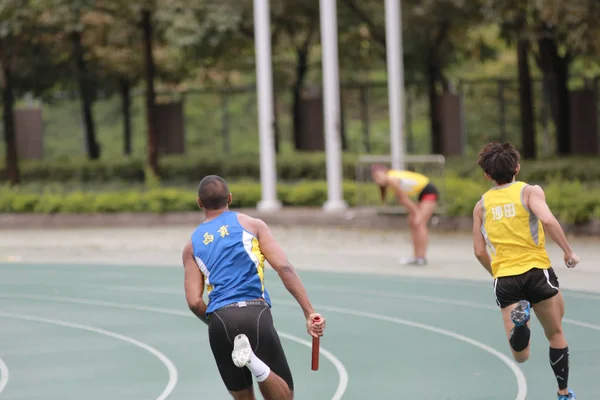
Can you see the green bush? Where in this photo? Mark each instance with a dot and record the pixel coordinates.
(189, 168)
(571, 202)
(291, 167)
(584, 169)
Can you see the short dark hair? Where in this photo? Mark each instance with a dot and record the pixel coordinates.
(213, 192)
(499, 161)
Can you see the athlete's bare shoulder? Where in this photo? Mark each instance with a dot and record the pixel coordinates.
(251, 224)
(532, 190)
(478, 207)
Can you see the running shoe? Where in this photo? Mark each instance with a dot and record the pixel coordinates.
(413, 261)
(242, 351)
(570, 396)
(521, 313)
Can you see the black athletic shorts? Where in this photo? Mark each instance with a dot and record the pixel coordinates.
(255, 321)
(429, 192)
(534, 286)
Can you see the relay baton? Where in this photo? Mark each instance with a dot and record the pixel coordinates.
(570, 263)
(315, 349)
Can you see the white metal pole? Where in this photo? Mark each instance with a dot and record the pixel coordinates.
(264, 92)
(331, 103)
(395, 75)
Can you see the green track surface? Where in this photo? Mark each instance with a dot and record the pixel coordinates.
(384, 330)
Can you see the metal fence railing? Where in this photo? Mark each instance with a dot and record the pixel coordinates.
(224, 120)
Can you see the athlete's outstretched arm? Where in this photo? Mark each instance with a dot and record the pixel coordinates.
(280, 263)
(479, 246)
(194, 283)
(539, 207)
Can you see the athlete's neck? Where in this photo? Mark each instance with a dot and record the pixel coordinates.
(212, 214)
(508, 183)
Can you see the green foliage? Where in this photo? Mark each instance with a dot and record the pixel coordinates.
(178, 169)
(290, 167)
(461, 195)
(584, 169)
(571, 201)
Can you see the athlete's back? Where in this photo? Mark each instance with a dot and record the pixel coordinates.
(411, 182)
(511, 220)
(514, 235)
(231, 261)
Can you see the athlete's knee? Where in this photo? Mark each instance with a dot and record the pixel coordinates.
(243, 395)
(554, 333)
(282, 395)
(521, 356)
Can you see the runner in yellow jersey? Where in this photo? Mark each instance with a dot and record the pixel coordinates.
(510, 222)
(407, 184)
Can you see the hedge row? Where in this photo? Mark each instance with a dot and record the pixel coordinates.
(189, 168)
(291, 167)
(570, 201)
(583, 169)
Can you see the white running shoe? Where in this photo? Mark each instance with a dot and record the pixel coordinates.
(242, 351)
(413, 261)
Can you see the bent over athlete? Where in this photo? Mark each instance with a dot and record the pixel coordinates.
(407, 184)
(510, 220)
(226, 255)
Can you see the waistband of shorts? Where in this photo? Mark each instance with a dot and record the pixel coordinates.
(241, 304)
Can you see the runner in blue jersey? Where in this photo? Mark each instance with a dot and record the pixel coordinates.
(226, 256)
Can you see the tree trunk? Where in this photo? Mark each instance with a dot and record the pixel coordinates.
(563, 119)
(433, 71)
(86, 97)
(343, 134)
(150, 95)
(10, 137)
(126, 110)
(556, 75)
(528, 142)
(276, 136)
(301, 71)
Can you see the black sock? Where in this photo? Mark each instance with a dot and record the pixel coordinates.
(519, 338)
(559, 360)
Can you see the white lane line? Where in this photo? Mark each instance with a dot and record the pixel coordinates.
(568, 293)
(521, 381)
(173, 376)
(438, 300)
(3, 375)
(339, 366)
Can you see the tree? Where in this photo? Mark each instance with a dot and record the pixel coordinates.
(146, 14)
(69, 20)
(514, 19)
(27, 65)
(116, 52)
(564, 31)
(434, 37)
(143, 14)
(528, 139)
(296, 25)
(130, 44)
(10, 35)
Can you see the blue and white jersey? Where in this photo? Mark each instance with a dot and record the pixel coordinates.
(231, 261)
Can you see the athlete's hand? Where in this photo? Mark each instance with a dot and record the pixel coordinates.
(315, 328)
(571, 260)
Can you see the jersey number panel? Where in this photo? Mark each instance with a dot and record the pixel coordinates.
(504, 211)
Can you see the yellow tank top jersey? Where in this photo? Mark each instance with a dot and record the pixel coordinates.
(514, 236)
(411, 182)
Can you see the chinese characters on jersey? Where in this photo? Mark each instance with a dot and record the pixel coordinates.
(222, 231)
